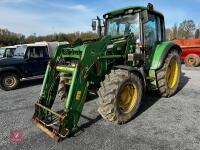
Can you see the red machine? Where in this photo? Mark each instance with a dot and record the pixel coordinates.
(190, 51)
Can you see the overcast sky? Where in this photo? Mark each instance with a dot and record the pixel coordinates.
(49, 16)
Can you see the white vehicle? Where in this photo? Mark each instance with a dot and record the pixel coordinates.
(52, 46)
(7, 52)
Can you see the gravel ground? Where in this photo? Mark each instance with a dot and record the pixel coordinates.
(162, 123)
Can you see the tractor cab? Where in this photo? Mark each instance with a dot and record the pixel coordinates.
(145, 23)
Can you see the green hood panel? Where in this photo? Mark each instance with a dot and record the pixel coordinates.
(82, 45)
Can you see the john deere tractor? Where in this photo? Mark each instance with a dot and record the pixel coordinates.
(129, 57)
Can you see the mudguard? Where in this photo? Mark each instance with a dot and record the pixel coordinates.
(139, 71)
(160, 52)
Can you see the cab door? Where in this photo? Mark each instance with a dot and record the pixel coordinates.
(153, 34)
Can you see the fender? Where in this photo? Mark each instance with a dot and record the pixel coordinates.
(7, 69)
(139, 71)
(160, 52)
(130, 69)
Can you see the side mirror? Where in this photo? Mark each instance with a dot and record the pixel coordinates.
(94, 25)
(144, 16)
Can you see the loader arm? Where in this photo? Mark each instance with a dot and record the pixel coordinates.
(59, 124)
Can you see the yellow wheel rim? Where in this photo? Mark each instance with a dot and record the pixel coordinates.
(172, 73)
(127, 98)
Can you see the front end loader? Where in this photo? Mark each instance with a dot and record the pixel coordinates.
(128, 58)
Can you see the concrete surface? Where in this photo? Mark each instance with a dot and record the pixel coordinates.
(162, 123)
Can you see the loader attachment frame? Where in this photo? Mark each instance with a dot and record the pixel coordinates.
(58, 124)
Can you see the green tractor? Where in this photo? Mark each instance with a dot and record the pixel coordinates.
(129, 57)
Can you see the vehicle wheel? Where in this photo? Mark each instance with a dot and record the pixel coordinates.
(192, 60)
(9, 81)
(168, 77)
(120, 95)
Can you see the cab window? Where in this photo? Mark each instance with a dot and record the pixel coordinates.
(37, 52)
(152, 30)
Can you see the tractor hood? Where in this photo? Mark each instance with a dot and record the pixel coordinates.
(111, 42)
(106, 46)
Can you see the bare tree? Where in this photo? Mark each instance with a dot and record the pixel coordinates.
(175, 31)
(196, 34)
(168, 33)
(186, 28)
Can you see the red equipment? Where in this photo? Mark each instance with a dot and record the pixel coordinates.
(190, 51)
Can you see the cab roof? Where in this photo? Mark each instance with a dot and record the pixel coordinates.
(9, 47)
(121, 10)
(35, 44)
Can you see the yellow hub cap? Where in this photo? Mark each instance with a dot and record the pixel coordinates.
(172, 73)
(127, 98)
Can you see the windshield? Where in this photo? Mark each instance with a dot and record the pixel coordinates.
(20, 51)
(123, 25)
(2, 51)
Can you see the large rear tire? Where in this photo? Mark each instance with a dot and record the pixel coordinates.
(120, 95)
(168, 77)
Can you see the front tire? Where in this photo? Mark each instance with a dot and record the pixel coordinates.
(168, 77)
(120, 96)
(9, 81)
